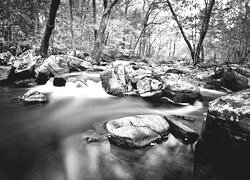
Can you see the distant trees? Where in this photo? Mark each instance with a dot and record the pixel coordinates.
(195, 30)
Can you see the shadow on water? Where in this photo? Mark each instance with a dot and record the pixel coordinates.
(41, 142)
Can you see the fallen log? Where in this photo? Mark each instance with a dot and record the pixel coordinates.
(181, 131)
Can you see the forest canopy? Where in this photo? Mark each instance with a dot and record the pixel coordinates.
(193, 30)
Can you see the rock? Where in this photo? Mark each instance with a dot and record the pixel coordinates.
(33, 96)
(6, 58)
(231, 113)
(181, 131)
(5, 72)
(234, 81)
(41, 78)
(123, 80)
(25, 64)
(59, 81)
(147, 81)
(179, 90)
(113, 81)
(148, 87)
(56, 65)
(227, 130)
(137, 131)
(30, 82)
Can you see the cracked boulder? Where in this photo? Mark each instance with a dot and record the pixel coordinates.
(123, 80)
(137, 131)
(228, 118)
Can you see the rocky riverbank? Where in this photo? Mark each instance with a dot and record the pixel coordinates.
(173, 82)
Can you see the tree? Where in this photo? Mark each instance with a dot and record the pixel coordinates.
(72, 26)
(196, 50)
(94, 18)
(49, 27)
(101, 35)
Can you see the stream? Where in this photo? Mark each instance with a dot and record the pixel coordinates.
(47, 141)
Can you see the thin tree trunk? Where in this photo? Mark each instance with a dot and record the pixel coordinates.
(170, 48)
(204, 28)
(101, 37)
(94, 18)
(174, 49)
(181, 29)
(72, 27)
(49, 27)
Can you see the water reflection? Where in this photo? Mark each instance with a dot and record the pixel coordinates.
(169, 160)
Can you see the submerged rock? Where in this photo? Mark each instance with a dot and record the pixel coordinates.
(137, 131)
(33, 96)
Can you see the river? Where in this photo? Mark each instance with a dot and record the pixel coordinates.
(46, 141)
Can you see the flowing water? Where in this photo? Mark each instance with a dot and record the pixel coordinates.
(46, 141)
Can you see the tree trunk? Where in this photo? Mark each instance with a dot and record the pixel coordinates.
(101, 37)
(49, 27)
(174, 48)
(204, 28)
(94, 18)
(72, 27)
(195, 52)
(181, 29)
(170, 48)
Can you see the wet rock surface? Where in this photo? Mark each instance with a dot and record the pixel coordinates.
(137, 131)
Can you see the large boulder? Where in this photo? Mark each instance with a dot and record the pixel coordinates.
(25, 64)
(33, 96)
(5, 72)
(234, 81)
(137, 131)
(180, 90)
(113, 81)
(225, 139)
(127, 80)
(56, 65)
